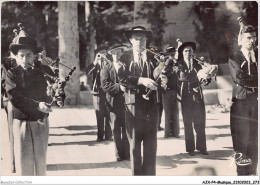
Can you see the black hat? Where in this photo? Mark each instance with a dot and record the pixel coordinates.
(139, 29)
(22, 41)
(116, 46)
(25, 43)
(170, 49)
(191, 44)
(101, 47)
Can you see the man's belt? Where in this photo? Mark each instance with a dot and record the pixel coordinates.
(189, 85)
(253, 89)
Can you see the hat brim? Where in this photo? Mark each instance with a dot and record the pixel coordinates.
(186, 44)
(149, 35)
(119, 47)
(100, 48)
(14, 48)
(168, 52)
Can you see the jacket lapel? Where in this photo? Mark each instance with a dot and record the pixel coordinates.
(113, 73)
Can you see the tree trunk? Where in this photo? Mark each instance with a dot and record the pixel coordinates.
(91, 45)
(69, 48)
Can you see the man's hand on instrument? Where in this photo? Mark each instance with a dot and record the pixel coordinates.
(122, 88)
(164, 81)
(97, 59)
(44, 107)
(59, 101)
(203, 75)
(148, 82)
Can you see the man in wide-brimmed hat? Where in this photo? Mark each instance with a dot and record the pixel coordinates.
(26, 89)
(115, 101)
(141, 114)
(99, 96)
(191, 97)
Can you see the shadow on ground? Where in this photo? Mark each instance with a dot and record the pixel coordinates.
(89, 143)
(215, 136)
(208, 137)
(76, 134)
(170, 162)
(77, 127)
(213, 155)
(219, 126)
(82, 166)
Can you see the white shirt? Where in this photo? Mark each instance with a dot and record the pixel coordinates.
(246, 53)
(189, 63)
(136, 56)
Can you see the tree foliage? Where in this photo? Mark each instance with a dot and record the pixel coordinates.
(111, 19)
(154, 13)
(250, 13)
(39, 20)
(211, 32)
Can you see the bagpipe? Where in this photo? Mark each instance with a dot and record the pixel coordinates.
(207, 72)
(245, 72)
(55, 88)
(241, 24)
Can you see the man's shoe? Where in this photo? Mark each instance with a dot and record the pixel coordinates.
(119, 159)
(99, 140)
(242, 160)
(204, 152)
(160, 128)
(191, 153)
(176, 136)
(110, 139)
(167, 136)
(13, 169)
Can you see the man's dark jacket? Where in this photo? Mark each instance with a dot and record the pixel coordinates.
(25, 89)
(243, 82)
(110, 84)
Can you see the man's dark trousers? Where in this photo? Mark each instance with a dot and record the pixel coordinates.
(171, 111)
(117, 118)
(102, 115)
(193, 111)
(244, 130)
(142, 127)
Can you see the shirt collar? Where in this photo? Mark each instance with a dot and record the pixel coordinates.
(136, 55)
(246, 54)
(188, 62)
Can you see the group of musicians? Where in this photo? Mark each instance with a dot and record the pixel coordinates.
(128, 88)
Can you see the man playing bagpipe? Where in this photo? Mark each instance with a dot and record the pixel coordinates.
(191, 97)
(244, 109)
(26, 88)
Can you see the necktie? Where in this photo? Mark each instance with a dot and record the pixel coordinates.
(249, 62)
(190, 65)
(140, 61)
